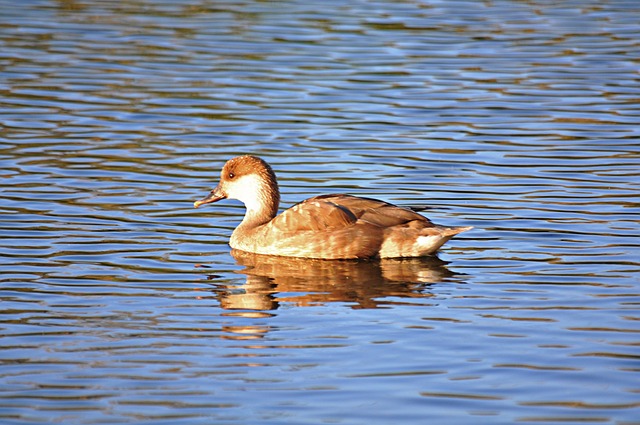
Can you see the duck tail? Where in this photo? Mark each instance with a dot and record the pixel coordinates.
(452, 231)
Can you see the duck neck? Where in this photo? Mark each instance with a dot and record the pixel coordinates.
(263, 208)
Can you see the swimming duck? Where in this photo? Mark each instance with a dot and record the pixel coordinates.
(327, 226)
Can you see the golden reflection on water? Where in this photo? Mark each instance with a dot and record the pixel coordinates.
(271, 280)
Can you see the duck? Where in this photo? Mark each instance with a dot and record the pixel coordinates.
(329, 227)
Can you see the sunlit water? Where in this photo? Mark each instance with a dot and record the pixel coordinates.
(122, 304)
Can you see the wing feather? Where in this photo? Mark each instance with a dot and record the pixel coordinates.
(377, 212)
(314, 214)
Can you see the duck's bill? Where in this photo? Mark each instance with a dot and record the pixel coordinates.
(214, 196)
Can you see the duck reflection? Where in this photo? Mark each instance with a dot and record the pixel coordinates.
(306, 282)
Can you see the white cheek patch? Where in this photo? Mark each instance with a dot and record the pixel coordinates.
(246, 189)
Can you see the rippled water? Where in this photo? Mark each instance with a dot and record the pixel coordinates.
(121, 303)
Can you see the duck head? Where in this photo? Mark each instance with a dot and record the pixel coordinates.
(250, 180)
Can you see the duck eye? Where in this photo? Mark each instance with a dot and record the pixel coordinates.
(231, 175)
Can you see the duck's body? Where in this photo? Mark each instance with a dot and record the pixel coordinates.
(326, 226)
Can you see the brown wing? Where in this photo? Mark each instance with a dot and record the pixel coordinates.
(330, 212)
(314, 214)
(377, 212)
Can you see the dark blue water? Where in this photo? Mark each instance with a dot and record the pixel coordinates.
(120, 303)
